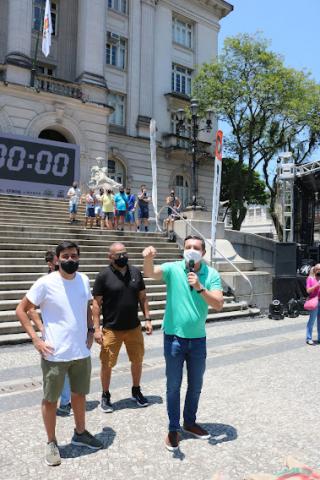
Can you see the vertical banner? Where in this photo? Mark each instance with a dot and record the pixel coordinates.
(153, 152)
(47, 30)
(216, 190)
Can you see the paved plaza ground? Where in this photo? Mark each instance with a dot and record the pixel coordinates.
(260, 402)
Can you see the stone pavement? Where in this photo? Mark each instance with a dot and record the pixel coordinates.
(260, 402)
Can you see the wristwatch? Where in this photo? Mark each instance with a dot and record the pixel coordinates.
(147, 319)
(90, 330)
(201, 290)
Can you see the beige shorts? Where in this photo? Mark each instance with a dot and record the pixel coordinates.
(113, 340)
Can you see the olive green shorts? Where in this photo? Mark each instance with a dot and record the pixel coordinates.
(79, 373)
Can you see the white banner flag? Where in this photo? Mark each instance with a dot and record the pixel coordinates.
(47, 30)
(153, 152)
(216, 190)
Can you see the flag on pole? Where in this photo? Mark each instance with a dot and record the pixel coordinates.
(47, 30)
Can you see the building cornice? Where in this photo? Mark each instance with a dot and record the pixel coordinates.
(199, 15)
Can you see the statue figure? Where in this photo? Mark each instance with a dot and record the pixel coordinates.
(99, 179)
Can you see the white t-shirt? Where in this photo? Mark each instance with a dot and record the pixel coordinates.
(63, 304)
(74, 195)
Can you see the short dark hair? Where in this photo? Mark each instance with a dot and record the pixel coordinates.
(49, 256)
(195, 237)
(66, 244)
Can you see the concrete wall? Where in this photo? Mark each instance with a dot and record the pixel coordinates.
(260, 250)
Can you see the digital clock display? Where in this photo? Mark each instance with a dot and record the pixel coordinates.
(36, 166)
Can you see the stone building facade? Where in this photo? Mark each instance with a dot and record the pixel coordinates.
(136, 56)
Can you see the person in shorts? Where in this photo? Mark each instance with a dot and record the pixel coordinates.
(64, 299)
(74, 195)
(121, 204)
(130, 220)
(90, 208)
(98, 207)
(118, 290)
(143, 208)
(65, 408)
(107, 210)
(174, 205)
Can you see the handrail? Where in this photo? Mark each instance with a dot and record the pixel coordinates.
(178, 214)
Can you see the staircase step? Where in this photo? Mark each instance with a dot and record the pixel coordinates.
(156, 310)
(16, 336)
(29, 226)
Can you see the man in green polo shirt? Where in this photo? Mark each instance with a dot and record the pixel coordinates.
(192, 286)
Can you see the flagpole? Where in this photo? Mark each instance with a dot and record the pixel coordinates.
(35, 58)
(46, 28)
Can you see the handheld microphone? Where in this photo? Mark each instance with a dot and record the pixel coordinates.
(191, 269)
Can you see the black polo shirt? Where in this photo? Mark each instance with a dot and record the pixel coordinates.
(120, 297)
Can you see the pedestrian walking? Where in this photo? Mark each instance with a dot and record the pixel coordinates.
(192, 286)
(118, 290)
(313, 290)
(74, 195)
(143, 202)
(64, 298)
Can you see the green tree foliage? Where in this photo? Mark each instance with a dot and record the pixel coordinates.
(269, 107)
(253, 190)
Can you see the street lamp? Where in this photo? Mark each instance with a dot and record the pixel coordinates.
(194, 139)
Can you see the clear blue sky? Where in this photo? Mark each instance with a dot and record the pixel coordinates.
(292, 26)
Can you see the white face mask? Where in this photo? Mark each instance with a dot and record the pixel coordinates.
(192, 254)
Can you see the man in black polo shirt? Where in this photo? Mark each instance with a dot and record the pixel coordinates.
(118, 289)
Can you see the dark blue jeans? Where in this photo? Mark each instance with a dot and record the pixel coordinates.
(178, 350)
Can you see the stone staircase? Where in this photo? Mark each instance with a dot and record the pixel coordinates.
(30, 226)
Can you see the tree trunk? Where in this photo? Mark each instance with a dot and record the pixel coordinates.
(274, 217)
(238, 214)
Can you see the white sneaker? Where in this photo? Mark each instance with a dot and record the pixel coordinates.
(52, 454)
(310, 342)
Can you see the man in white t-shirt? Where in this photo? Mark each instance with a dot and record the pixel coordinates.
(64, 298)
(74, 195)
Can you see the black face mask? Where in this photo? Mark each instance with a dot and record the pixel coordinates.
(122, 261)
(69, 266)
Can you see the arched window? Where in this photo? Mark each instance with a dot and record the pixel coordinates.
(49, 134)
(117, 171)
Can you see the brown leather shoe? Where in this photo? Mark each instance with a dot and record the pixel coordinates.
(172, 441)
(196, 431)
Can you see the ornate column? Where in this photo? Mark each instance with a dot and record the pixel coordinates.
(146, 65)
(18, 55)
(91, 41)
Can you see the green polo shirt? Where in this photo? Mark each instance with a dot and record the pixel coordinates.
(186, 311)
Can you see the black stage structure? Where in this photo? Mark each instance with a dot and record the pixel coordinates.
(290, 258)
